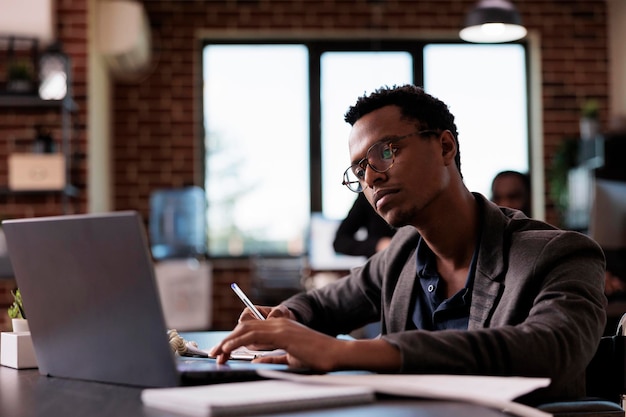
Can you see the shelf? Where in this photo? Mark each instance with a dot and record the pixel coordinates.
(33, 100)
(69, 190)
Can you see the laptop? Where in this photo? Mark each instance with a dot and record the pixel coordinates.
(92, 304)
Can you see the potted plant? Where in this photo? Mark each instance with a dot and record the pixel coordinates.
(17, 313)
(20, 76)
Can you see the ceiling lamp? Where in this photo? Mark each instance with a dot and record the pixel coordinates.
(54, 74)
(493, 21)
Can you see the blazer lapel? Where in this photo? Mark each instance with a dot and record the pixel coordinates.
(490, 269)
(401, 302)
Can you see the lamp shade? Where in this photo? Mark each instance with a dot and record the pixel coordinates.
(493, 21)
(53, 74)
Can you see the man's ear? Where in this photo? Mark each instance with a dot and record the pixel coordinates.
(448, 147)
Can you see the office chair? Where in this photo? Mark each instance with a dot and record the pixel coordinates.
(606, 381)
(274, 279)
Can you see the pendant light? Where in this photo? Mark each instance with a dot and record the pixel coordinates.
(493, 21)
(54, 73)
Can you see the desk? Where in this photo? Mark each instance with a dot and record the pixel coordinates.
(25, 393)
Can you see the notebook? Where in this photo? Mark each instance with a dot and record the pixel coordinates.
(92, 303)
(256, 397)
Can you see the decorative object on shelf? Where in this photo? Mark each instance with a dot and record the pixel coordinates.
(44, 142)
(20, 77)
(589, 123)
(54, 74)
(493, 21)
(37, 171)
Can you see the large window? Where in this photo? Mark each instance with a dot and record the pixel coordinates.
(257, 141)
(276, 141)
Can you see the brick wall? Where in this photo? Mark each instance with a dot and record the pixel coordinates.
(157, 139)
(157, 125)
(17, 122)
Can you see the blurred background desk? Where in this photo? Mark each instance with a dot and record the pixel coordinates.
(25, 393)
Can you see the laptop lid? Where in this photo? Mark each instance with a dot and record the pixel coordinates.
(92, 303)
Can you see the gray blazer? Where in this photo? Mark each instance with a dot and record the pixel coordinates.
(538, 305)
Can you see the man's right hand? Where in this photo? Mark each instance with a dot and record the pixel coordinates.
(268, 312)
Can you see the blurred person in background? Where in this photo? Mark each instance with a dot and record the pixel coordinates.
(362, 217)
(512, 189)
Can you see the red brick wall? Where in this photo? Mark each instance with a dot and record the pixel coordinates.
(157, 125)
(156, 118)
(17, 123)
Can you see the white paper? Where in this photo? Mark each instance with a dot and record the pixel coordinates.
(243, 353)
(243, 398)
(494, 392)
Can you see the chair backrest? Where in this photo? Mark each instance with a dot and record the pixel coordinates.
(275, 279)
(606, 373)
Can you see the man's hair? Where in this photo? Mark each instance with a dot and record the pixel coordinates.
(524, 178)
(415, 104)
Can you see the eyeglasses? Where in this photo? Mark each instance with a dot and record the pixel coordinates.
(380, 157)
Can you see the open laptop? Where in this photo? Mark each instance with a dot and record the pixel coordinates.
(92, 303)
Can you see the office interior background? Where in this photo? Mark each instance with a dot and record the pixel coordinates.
(133, 131)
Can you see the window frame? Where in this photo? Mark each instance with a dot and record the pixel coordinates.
(316, 48)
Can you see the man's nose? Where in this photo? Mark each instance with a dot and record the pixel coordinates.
(372, 176)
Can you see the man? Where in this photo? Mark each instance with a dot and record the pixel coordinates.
(511, 189)
(464, 287)
(362, 216)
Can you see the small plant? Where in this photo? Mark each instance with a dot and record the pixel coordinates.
(16, 310)
(20, 70)
(590, 109)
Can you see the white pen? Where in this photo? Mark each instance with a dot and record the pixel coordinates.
(246, 301)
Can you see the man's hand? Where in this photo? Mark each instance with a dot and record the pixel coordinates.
(268, 312)
(307, 348)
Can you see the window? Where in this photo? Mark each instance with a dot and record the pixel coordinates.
(276, 141)
(257, 141)
(488, 99)
(343, 77)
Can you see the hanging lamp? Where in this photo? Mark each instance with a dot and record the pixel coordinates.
(493, 21)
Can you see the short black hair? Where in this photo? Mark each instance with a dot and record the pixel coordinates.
(525, 178)
(415, 104)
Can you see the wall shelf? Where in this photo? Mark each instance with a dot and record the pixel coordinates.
(69, 190)
(66, 106)
(33, 100)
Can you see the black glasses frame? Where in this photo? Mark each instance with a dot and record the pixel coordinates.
(357, 186)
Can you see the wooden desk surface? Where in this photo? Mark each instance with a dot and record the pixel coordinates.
(25, 393)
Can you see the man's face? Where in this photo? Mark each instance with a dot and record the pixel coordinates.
(509, 191)
(419, 172)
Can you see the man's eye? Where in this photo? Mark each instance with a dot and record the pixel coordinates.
(359, 173)
(386, 152)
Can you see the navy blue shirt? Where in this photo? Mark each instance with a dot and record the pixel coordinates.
(432, 311)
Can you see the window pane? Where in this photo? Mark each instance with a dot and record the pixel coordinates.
(485, 88)
(344, 77)
(256, 116)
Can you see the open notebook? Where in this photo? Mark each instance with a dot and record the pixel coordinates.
(93, 308)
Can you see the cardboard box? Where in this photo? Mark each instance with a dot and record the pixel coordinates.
(16, 350)
(36, 171)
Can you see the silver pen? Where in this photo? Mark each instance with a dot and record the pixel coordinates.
(246, 301)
